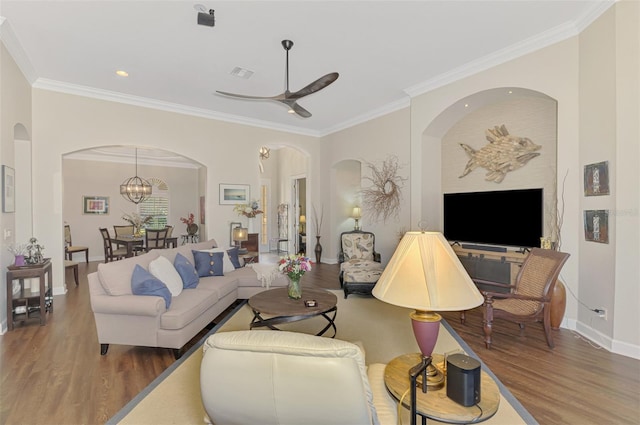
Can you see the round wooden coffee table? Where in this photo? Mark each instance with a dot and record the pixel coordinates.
(282, 309)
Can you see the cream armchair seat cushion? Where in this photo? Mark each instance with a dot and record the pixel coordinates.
(280, 377)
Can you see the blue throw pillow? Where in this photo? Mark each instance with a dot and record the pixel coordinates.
(233, 256)
(208, 263)
(144, 283)
(187, 271)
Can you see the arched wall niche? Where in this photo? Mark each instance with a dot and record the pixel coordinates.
(525, 113)
(99, 171)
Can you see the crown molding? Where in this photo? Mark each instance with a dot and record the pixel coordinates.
(532, 44)
(75, 89)
(16, 51)
(375, 113)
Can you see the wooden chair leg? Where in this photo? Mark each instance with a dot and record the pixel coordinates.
(546, 323)
(75, 274)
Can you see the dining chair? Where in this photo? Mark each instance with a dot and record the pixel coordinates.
(70, 248)
(155, 239)
(111, 254)
(123, 230)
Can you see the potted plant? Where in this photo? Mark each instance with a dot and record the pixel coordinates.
(192, 227)
(19, 251)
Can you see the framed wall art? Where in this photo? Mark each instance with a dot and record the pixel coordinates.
(596, 226)
(8, 189)
(596, 179)
(231, 194)
(95, 205)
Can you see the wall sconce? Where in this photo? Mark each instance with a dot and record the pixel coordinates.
(356, 214)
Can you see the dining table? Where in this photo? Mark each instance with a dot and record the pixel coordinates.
(131, 241)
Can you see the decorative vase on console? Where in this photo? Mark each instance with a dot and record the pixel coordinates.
(318, 249)
(192, 229)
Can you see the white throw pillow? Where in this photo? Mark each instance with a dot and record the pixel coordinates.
(162, 269)
(227, 265)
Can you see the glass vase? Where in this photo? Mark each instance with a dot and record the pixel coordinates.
(294, 290)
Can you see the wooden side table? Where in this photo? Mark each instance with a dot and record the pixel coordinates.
(21, 305)
(434, 404)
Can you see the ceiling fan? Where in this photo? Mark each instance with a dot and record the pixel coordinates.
(288, 98)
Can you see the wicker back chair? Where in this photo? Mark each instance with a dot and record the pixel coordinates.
(530, 297)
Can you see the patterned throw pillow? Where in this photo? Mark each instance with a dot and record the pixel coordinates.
(187, 272)
(209, 263)
(144, 283)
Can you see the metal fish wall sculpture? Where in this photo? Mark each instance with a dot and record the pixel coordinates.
(504, 153)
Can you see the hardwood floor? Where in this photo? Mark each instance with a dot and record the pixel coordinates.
(54, 374)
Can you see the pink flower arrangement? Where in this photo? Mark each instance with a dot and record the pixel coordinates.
(294, 266)
(189, 220)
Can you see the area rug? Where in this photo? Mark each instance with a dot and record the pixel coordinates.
(383, 329)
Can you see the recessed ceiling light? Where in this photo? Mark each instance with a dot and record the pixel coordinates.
(241, 72)
(122, 73)
(466, 105)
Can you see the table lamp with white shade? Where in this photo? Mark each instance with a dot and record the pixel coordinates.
(425, 274)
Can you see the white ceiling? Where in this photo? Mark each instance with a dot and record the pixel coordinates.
(385, 51)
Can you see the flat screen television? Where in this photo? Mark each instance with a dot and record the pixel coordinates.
(504, 217)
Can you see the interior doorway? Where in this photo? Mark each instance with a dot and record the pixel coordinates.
(299, 198)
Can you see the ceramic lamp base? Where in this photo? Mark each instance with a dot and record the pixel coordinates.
(426, 326)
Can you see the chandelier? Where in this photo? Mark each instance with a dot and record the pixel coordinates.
(135, 189)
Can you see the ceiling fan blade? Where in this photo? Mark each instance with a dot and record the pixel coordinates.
(300, 110)
(317, 85)
(244, 96)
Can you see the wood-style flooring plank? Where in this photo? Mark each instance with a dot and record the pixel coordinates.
(54, 374)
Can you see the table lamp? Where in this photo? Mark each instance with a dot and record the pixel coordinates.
(356, 214)
(240, 234)
(425, 274)
(303, 221)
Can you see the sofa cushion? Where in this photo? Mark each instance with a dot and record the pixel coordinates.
(223, 285)
(144, 283)
(115, 277)
(208, 263)
(186, 307)
(162, 268)
(186, 249)
(187, 272)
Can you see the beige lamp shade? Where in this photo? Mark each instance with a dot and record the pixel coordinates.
(303, 219)
(240, 234)
(425, 274)
(356, 213)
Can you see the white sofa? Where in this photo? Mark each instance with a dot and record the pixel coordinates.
(277, 378)
(127, 319)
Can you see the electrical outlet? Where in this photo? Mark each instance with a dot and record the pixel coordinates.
(602, 313)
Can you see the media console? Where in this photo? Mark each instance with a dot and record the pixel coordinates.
(503, 267)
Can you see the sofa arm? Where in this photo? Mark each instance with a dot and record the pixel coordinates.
(134, 305)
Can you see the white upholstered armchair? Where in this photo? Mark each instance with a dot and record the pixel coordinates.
(279, 377)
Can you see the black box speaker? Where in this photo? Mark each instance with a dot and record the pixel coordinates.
(463, 379)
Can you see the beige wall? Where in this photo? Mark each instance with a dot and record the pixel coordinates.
(15, 123)
(68, 123)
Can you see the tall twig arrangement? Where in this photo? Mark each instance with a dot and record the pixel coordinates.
(382, 199)
(317, 222)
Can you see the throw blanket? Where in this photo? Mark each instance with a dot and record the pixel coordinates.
(267, 273)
